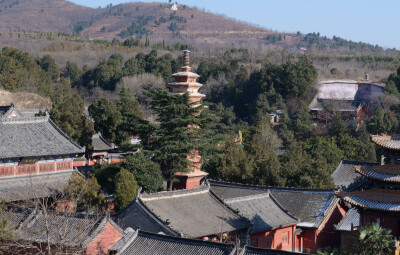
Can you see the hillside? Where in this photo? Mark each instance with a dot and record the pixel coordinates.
(153, 20)
(23, 100)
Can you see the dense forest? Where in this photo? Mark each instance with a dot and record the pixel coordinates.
(240, 98)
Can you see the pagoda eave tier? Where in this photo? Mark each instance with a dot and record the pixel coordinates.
(192, 95)
(186, 74)
(185, 84)
(192, 174)
(388, 142)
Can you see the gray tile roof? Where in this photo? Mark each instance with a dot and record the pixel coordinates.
(386, 141)
(352, 217)
(32, 137)
(100, 144)
(263, 212)
(247, 250)
(193, 212)
(139, 242)
(309, 206)
(137, 216)
(229, 190)
(374, 199)
(385, 173)
(72, 230)
(345, 173)
(15, 216)
(33, 186)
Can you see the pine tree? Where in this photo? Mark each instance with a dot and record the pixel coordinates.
(125, 188)
(181, 130)
(147, 173)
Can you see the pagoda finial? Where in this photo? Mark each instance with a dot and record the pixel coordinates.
(186, 58)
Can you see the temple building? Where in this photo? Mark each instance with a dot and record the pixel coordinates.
(36, 157)
(73, 233)
(192, 213)
(389, 147)
(300, 220)
(186, 82)
(377, 199)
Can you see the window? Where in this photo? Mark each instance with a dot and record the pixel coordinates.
(6, 170)
(285, 238)
(63, 165)
(26, 169)
(46, 167)
(254, 242)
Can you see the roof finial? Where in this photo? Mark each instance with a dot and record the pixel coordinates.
(186, 59)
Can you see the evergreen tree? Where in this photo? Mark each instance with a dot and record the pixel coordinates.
(235, 165)
(48, 64)
(67, 114)
(383, 122)
(146, 172)
(338, 126)
(181, 130)
(299, 169)
(126, 188)
(266, 164)
(129, 108)
(106, 118)
(73, 72)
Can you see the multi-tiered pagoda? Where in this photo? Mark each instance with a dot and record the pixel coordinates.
(186, 82)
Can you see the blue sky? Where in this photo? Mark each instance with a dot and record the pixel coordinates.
(369, 21)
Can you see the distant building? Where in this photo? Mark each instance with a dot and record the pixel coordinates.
(174, 7)
(348, 97)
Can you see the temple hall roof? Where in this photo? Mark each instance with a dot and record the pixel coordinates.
(33, 186)
(259, 206)
(66, 229)
(374, 199)
(309, 206)
(100, 144)
(33, 137)
(193, 212)
(263, 211)
(386, 173)
(248, 250)
(386, 141)
(140, 242)
(345, 173)
(352, 217)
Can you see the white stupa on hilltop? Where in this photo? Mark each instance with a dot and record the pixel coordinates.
(174, 7)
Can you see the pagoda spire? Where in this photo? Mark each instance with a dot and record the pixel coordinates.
(186, 82)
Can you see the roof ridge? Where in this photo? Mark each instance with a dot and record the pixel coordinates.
(246, 198)
(173, 193)
(24, 120)
(260, 187)
(205, 243)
